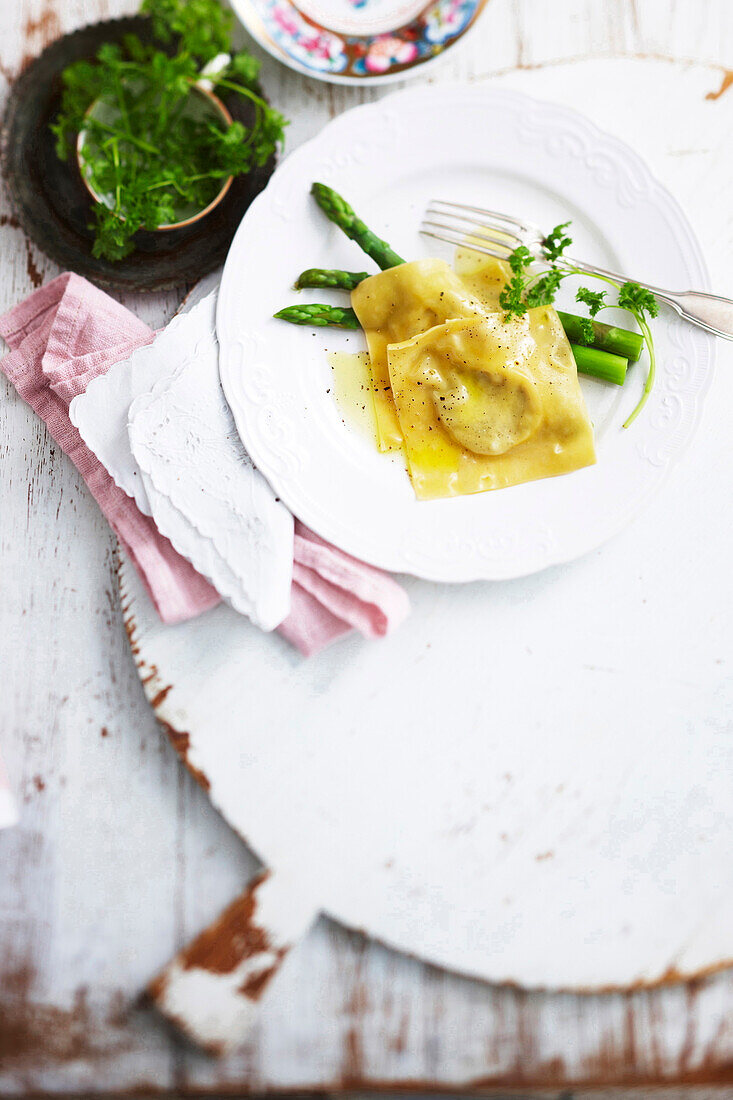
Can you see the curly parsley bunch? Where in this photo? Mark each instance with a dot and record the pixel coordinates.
(526, 290)
(145, 151)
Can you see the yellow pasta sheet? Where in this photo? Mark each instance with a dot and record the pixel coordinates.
(395, 305)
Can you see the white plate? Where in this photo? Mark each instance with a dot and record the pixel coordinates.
(497, 149)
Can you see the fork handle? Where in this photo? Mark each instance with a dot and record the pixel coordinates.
(708, 311)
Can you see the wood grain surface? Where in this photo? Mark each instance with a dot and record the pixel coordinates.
(119, 859)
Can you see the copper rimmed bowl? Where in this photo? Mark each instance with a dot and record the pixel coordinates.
(203, 102)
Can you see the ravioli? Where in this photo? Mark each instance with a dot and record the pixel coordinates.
(485, 403)
(397, 304)
(483, 276)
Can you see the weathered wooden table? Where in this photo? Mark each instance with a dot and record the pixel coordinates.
(119, 859)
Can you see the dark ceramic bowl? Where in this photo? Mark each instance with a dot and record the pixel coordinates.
(53, 205)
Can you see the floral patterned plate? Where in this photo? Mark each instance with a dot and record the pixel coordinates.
(357, 41)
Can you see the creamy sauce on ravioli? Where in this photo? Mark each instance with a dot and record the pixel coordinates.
(516, 412)
(485, 412)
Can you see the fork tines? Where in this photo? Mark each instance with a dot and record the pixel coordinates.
(485, 231)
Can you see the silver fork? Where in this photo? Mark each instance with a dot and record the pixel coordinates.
(495, 234)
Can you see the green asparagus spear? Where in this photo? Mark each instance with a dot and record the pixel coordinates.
(600, 364)
(619, 341)
(319, 315)
(340, 213)
(321, 277)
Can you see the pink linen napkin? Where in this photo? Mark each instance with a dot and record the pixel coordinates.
(69, 332)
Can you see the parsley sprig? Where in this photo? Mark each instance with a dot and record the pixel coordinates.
(146, 153)
(527, 289)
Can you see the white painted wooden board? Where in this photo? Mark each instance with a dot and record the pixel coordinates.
(87, 917)
(565, 736)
